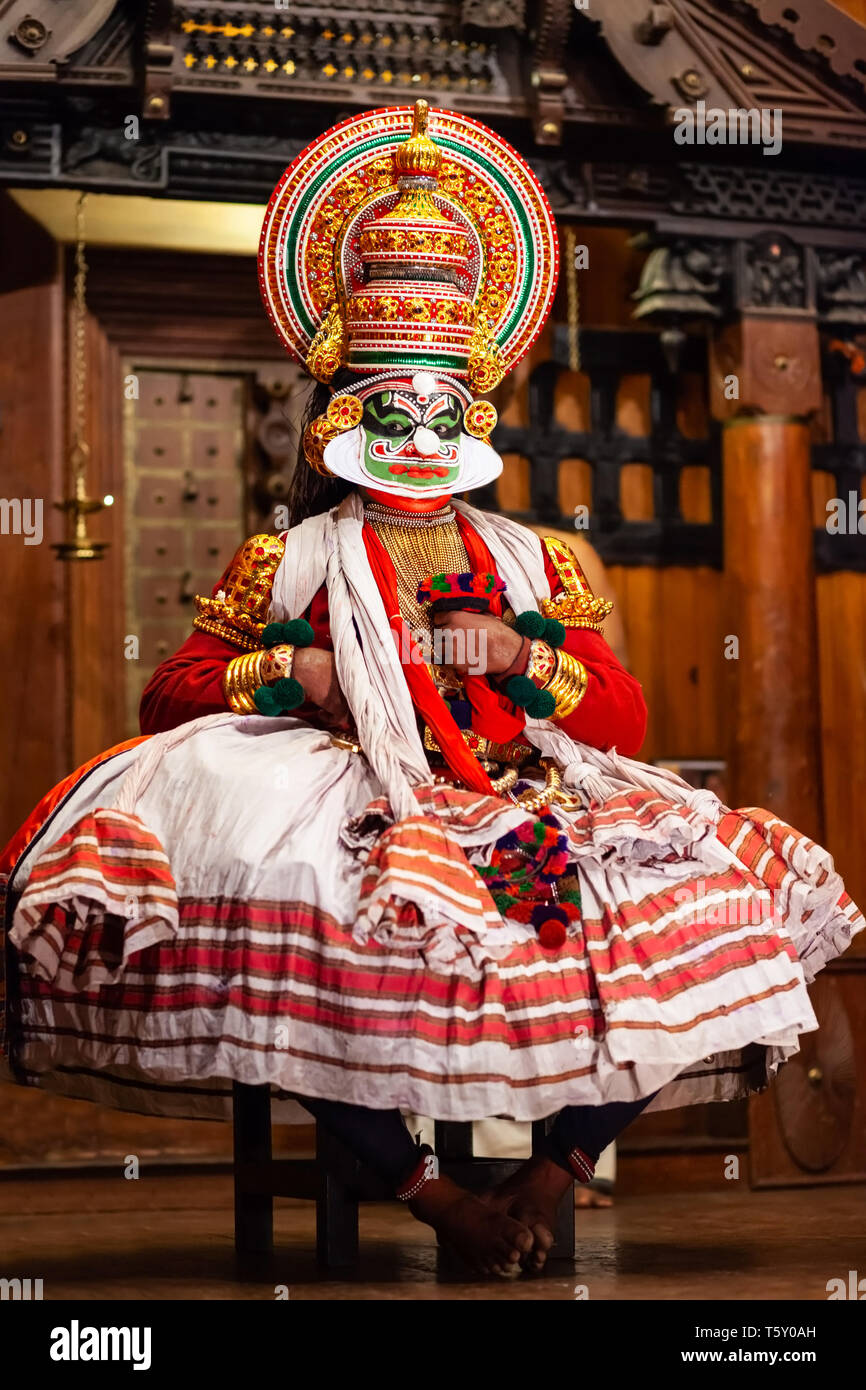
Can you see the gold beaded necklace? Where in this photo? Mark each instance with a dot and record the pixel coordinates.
(419, 544)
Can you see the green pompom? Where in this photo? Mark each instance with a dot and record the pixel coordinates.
(554, 632)
(281, 697)
(274, 634)
(542, 707)
(503, 903)
(266, 701)
(521, 691)
(530, 623)
(289, 692)
(296, 633)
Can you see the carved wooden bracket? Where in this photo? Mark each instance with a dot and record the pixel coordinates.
(764, 289)
(549, 78)
(747, 56)
(769, 365)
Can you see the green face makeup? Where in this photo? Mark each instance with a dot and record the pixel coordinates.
(410, 443)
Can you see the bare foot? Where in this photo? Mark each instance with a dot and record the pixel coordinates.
(585, 1195)
(531, 1196)
(491, 1241)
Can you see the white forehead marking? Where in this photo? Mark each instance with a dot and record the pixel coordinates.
(410, 406)
(424, 383)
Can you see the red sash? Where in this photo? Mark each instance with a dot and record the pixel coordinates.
(493, 713)
(425, 696)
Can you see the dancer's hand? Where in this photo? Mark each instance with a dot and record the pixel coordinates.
(481, 644)
(317, 672)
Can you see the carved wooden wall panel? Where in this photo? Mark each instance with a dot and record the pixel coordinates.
(185, 505)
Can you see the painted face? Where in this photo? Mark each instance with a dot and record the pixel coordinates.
(413, 441)
(411, 438)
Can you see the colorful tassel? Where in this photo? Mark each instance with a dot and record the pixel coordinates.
(457, 586)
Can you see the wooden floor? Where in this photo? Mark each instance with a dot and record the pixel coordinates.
(171, 1237)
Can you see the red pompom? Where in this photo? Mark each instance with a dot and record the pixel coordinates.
(551, 934)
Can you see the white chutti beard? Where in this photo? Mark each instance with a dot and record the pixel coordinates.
(479, 464)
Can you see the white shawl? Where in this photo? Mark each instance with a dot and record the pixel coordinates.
(329, 549)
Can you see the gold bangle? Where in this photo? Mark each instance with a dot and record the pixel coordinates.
(287, 655)
(541, 666)
(241, 680)
(568, 684)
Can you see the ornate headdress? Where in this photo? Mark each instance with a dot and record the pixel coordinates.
(417, 249)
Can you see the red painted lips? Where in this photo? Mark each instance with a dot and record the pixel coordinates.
(417, 471)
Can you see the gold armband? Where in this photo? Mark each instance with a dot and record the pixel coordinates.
(242, 678)
(577, 606)
(238, 611)
(568, 684)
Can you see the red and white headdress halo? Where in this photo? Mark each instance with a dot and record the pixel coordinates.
(382, 248)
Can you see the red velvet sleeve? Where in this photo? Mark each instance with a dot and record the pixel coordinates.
(613, 712)
(189, 684)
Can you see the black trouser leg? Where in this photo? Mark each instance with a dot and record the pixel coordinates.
(586, 1130)
(378, 1138)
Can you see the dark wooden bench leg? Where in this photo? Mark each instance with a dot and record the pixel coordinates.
(452, 1139)
(336, 1207)
(254, 1211)
(563, 1246)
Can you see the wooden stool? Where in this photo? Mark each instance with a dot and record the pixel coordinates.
(337, 1182)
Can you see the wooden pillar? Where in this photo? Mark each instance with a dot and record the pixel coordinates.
(34, 727)
(765, 384)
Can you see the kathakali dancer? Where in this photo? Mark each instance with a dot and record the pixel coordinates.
(385, 847)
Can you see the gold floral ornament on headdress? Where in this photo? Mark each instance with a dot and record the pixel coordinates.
(410, 238)
(328, 348)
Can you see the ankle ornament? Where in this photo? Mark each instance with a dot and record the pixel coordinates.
(581, 1165)
(426, 1170)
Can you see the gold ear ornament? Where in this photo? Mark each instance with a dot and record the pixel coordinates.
(479, 419)
(343, 413)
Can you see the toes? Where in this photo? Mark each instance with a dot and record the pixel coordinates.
(539, 1260)
(544, 1237)
(520, 1237)
(506, 1253)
